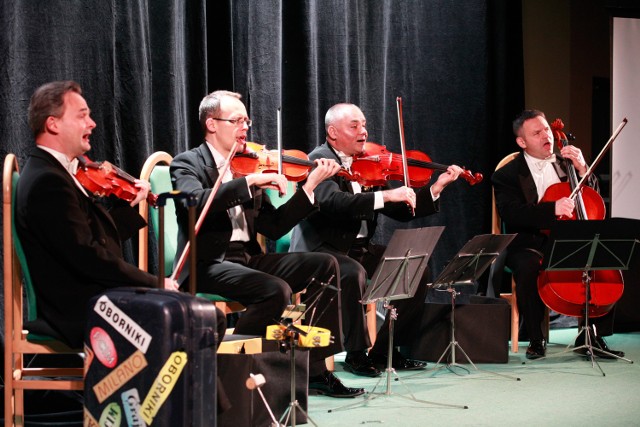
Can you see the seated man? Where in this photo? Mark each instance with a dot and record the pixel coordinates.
(343, 227)
(519, 187)
(229, 259)
(72, 244)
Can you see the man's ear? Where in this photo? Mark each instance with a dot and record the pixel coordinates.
(211, 125)
(521, 142)
(331, 133)
(51, 125)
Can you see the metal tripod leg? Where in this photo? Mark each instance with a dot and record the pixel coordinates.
(290, 412)
(388, 373)
(453, 345)
(588, 331)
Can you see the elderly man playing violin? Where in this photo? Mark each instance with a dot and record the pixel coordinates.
(72, 244)
(343, 227)
(230, 261)
(519, 189)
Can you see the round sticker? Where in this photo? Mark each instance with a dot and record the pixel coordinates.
(103, 347)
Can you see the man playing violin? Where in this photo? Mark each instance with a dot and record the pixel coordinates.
(344, 225)
(230, 261)
(519, 186)
(71, 242)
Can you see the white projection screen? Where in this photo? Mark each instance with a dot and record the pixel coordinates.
(625, 151)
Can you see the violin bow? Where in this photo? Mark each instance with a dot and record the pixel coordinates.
(205, 210)
(599, 157)
(279, 141)
(279, 138)
(405, 167)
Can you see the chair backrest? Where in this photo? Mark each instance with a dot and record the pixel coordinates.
(16, 268)
(496, 222)
(32, 308)
(156, 171)
(283, 243)
(12, 272)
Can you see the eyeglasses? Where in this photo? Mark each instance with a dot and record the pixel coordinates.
(238, 122)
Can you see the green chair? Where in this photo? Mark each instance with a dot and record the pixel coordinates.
(20, 337)
(156, 171)
(282, 244)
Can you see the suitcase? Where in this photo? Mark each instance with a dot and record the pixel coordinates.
(150, 359)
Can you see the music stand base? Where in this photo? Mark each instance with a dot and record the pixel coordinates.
(294, 406)
(591, 352)
(290, 412)
(372, 395)
(389, 372)
(450, 351)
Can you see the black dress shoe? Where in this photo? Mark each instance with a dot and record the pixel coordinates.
(536, 349)
(329, 385)
(398, 362)
(358, 363)
(602, 345)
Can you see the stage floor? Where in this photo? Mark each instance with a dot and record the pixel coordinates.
(558, 391)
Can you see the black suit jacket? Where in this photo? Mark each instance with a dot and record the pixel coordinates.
(195, 172)
(517, 202)
(72, 244)
(341, 212)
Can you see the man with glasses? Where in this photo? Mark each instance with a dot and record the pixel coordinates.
(230, 261)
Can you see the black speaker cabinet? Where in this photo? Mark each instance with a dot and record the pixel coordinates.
(481, 329)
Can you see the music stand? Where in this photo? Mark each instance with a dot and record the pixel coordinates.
(588, 246)
(464, 269)
(292, 335)
(397, 276)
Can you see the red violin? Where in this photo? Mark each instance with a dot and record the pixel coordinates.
(104, 179)
(255, 158)
(376, 165)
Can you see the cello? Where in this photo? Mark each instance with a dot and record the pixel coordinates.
(567, 292)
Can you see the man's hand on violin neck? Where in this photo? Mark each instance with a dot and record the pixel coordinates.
(325, 168)
(144, 188)
(400, 194)
(452, 173)
(268, 180)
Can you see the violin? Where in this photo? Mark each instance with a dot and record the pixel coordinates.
(257, 159)
(565, 291)
(293, 164)
(376, 165)
(104, 179)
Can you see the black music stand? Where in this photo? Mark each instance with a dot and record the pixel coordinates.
(289, 341)
(588, 246)
(397, 277)
(465, 269)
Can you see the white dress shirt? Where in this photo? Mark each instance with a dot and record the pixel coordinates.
(240, 231)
